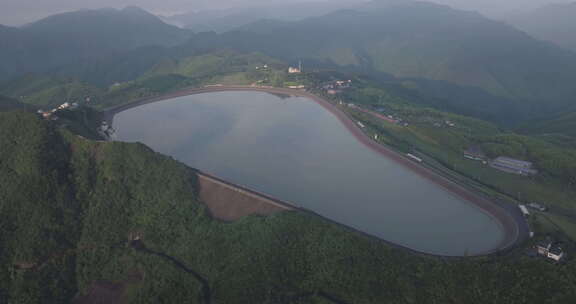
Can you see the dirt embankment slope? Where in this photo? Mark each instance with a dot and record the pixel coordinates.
(230, 202)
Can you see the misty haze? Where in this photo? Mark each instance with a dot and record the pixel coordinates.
(297, 152)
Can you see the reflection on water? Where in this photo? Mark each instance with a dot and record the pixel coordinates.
(295, 150)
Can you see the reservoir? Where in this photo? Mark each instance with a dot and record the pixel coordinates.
(294, 149)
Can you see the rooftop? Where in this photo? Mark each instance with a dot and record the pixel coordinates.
(513, 162)
(474, 150)
(556, 250)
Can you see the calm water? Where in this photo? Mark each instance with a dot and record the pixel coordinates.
(295, 150)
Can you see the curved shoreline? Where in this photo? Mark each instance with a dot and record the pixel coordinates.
(510, 219)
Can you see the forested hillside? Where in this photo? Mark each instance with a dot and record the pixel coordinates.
(70, 207)
(7, 103)
(150, 76)
(47, 91)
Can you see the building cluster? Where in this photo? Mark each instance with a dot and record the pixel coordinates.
(49, 115)
(502, 163)
(337, 87)
(551, 250)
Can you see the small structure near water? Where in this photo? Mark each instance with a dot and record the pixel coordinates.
(524, 210)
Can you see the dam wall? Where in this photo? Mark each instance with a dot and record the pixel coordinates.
(229, 202)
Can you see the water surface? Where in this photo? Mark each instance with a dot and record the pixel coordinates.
(295, 150)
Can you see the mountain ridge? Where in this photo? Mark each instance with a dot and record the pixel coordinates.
(554, 22)
(84, 35)
(438, 43)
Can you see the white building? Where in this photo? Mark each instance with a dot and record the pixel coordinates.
(298, 70)
(556, 254)
(547, 249)
(292, 70)
(63, 106)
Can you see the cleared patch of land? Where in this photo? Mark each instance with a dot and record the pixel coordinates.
(230, 202)
(107, 292)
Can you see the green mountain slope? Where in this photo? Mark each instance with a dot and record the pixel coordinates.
(45, 91)
(160, 75)
(564, 124)
(69, 207)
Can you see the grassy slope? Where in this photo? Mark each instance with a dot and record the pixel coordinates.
(429, 134)
(48, 91)
(167, 75)
(84, 198)
(565, 124)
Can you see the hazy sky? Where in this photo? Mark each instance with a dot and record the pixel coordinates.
(14, 12)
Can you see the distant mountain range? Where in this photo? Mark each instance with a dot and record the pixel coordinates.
(422, 41)
(77, 37)
(228, 19)
(472, 63)
(554, 22)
